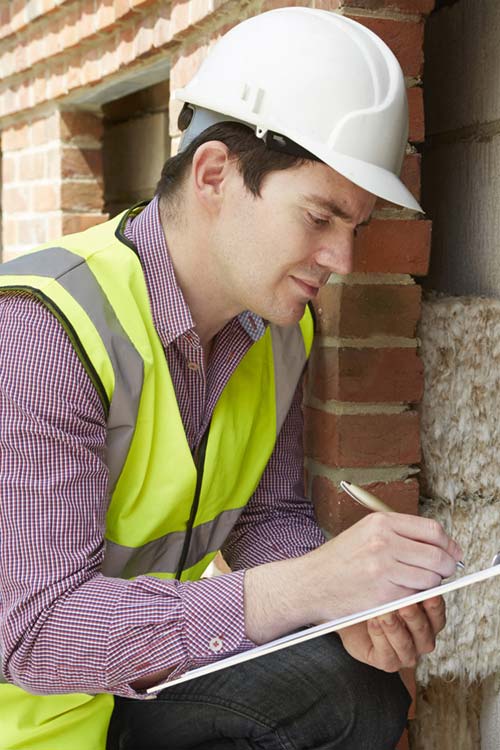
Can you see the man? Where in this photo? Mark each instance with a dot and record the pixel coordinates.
(151, 415)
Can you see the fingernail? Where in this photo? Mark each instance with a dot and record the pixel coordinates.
(389, 619)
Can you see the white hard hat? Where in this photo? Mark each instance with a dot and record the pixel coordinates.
(318, 79)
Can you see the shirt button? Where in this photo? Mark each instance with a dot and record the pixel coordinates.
(215, 645)
(193, 366)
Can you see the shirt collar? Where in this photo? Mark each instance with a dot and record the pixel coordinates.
(171, 315)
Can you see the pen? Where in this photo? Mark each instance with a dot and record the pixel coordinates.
(374, 503)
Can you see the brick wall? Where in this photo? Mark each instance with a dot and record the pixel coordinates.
(62, 60)
(366, 377)
(52, 177)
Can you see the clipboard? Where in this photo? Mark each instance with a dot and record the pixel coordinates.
(332, 626)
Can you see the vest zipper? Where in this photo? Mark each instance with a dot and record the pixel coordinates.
(199, 460)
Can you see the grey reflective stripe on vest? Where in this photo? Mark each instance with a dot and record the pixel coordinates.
(163, 555)
(289, 355)
(73, 274)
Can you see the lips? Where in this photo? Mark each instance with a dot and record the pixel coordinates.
(309, 288)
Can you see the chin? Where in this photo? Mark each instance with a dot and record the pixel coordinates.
(289, 318)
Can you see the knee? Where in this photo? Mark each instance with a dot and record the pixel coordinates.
(380, 713)
(361, 707)
(376, 703)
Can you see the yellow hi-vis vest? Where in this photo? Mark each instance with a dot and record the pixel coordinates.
(168, 512)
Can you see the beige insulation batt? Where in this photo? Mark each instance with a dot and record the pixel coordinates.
(460, 411)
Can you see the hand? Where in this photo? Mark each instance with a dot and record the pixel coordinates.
(398, 639)
(384, 556)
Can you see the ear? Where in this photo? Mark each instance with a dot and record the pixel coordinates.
(210, 170)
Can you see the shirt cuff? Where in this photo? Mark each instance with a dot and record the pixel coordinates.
(214, 619)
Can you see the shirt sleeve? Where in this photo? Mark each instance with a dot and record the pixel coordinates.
(278, 521)
(64, 626)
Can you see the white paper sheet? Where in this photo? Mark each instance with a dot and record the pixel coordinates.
(331, 626)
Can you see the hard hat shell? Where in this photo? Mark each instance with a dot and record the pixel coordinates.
(322, 80)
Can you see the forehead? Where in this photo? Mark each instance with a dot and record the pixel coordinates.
(316, 184)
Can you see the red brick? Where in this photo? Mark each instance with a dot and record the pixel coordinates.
(18, 14)
(9, 168)
(44, 130)
(336, 511)
(416, 114)
(16, 137)
(32, 166)
(122, 7)
(9, 231)
(143, 41)
(21, 57)
(7, 64)
(366, 375)
(199, 9)
(74, 74)
(32, 232)
(69, 34)
(25, 95)
(105, 14)
(141, 4)
(72, 223)
(410, 176)
(407, 6)
(186, 66)
(393, 246)
(87, 22)
(46, 198)
(74, 125)
(81, 196)
(365, 310)
(272, 4)
(4, 20)
(15, 200)
(90, 64)
(362, 440)
(162, 31)
(36, 46)
(77, 162)
(405, 38)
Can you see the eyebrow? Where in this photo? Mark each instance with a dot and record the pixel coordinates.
(332, 207)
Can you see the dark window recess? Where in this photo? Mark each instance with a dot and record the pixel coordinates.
(136, 144)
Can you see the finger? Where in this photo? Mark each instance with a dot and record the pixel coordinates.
(419, 627)
(426, 530)
(435, 609)
(427, 556)
(412, 578)
(382, 654)
(399, 639)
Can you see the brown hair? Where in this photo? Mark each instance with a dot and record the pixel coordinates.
(254, 160)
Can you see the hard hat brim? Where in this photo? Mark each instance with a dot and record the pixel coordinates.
(370, 177)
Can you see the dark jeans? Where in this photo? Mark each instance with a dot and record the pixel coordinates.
(311, 696)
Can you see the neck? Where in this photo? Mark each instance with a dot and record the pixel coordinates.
(190, 253)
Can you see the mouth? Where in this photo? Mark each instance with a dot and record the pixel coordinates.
(309, 289)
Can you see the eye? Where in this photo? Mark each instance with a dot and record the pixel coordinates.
(318, 221)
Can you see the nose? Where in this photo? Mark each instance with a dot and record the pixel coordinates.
(336, 253)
